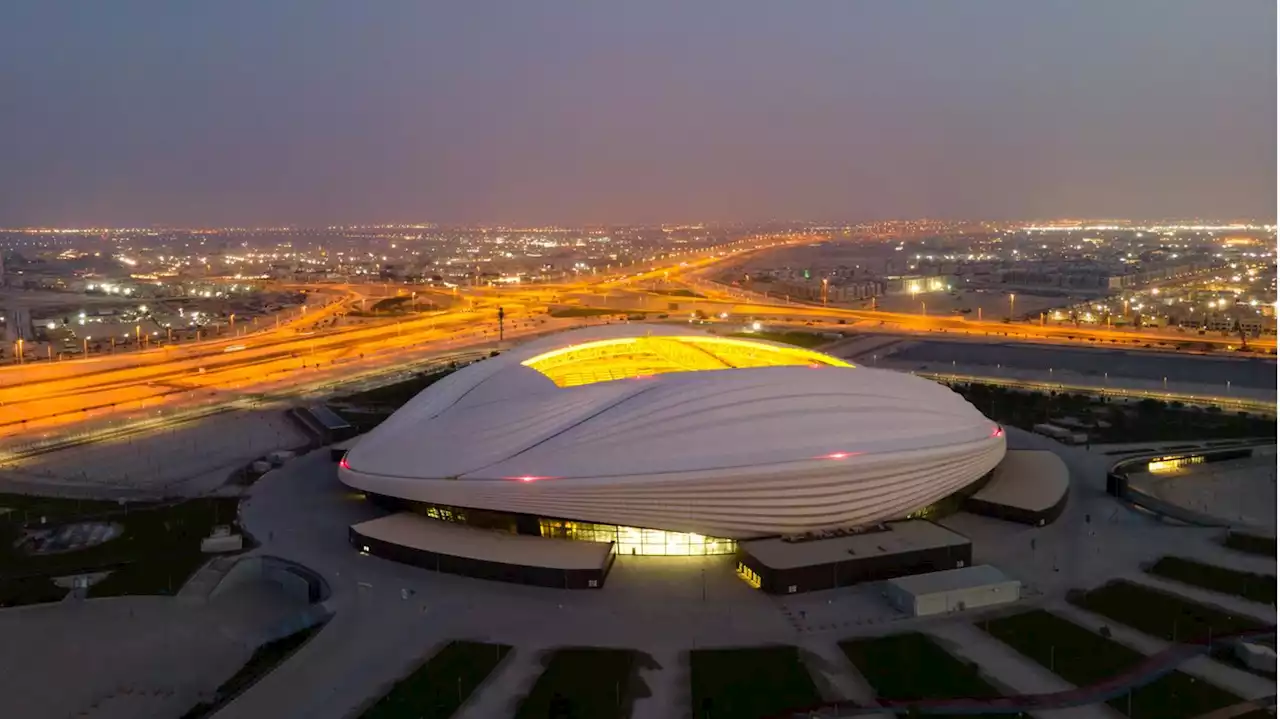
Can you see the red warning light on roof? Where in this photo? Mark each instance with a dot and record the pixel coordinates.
(840, 455)
(527, 478)
(998, 431)
(344, 463)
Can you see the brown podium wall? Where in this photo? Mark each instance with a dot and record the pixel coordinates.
(856, 570)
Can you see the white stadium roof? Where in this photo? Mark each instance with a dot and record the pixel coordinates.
(610, 424)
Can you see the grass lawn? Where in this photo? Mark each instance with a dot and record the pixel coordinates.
(440, 685)
(679, 293)
(588, 312)
(264, 659)
(1254, 587)
(1251, 543)
(1084, 657)
(807, 340)
(1160, 614)
(1148, 420)
(157, 551)
(391, 303)
(913, 666)
(395, 395)
(29, 590)
(585, 682)
(749, 682)
(1227, 655)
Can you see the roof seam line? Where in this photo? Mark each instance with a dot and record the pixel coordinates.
(559, 432)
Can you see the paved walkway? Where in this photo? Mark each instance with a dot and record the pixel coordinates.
(668, 687)
(501, 692)
(1226, 602)
(1014, 672)
(1143, 673)
(653, 604)
(127, 657)
(1241, 683)
(829, 663)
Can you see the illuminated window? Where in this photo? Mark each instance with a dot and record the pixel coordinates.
(637, 541)
(1168, 464)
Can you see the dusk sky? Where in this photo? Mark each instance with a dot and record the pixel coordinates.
(310, 112)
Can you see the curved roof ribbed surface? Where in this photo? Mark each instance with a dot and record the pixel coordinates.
(500, 418)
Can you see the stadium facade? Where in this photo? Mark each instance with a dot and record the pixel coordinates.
(666, 440)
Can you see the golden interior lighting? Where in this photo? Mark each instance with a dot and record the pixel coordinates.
(630, 357)
(1172, 463)
(637, 541)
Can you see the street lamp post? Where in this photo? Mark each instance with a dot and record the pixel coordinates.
(86, 345)
(18, 346)
(1011, 296)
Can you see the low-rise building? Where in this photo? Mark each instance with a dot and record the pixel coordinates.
(953, 590)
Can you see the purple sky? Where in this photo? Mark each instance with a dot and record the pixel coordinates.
(311, 111)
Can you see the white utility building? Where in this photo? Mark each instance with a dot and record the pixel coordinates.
(953, 590)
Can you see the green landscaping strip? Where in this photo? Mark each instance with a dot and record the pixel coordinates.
(157, 550)
(1254, 587)
(1108, 421)
(396, 394)
(585, 682)
(749, 683)
(264, 659)
(913, 666)
(1226, 653)
(442, 684)
(1161, 614)
(29, 590)
(1251, 543)
(587, 312)
(1083, 657)
(807, 340)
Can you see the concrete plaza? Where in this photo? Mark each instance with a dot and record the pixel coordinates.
(390, 616)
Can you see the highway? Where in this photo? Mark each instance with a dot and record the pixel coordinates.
(721, 298)
(41, 401)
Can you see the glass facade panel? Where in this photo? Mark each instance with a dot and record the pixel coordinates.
(637, 541)
(627, 540)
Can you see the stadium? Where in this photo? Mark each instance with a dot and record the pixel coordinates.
(666, 440)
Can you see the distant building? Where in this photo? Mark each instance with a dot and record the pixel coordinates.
(914, 284)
